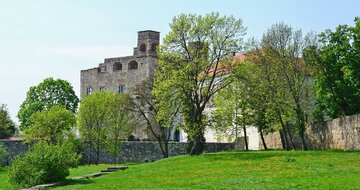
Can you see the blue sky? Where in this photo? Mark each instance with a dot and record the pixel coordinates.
(58, 38)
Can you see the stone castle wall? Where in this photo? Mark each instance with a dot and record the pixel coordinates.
(123, 74)
(339, 133)
(132, 151)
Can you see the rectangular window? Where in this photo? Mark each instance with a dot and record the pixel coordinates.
(88, 90)
(121, 89)
(102, 88)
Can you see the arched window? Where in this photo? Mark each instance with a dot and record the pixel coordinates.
(133, 65)
(117, 66)
(142, 47)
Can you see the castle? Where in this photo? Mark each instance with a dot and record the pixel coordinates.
(122, 74)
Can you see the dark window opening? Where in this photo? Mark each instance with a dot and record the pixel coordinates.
(88, 90)
(177, 135)
(121, 89)
(142, 47)
(117, 66)
(133, 65)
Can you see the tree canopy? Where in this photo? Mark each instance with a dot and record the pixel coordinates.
(53, 125)
(48, 93)
(191, 59)
(103, 121)
(337, 62)
(7, 126)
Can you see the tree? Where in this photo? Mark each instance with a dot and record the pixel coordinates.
(337, 64)
(160, 116)
(232, 110)
(119, 122)
(244, 102)
(48, 93)
(103, 120)
(7, 126)
(271, 84)
(191, 58)
(53, 125)
(281, 52)
(92, 122)
(254, 101)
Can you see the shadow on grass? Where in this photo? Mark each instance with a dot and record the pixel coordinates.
(70, 182)
(254, 155)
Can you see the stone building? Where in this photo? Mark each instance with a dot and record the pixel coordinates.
(122, 74)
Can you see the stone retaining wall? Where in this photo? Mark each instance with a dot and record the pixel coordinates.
(339, 133)
(132, 151)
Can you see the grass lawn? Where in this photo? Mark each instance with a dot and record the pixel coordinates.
(237, 170)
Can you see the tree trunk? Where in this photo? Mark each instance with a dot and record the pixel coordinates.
(97, 152)
(283, 143)
(163, 147)
(284, 132)
(166, 148)
(198, 145)
(262, 139)
(115, 152)
(90, 150)
(245, 139)
(290, 137)
(301, 123)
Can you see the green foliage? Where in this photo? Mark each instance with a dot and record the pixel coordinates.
(7, 126)
(119, 123)
(44, 163)
(3, 152)
(103, 120)
(245, 102)
(337, 62)
(53, 125)
(285, 78)
(48, 93)
(193, 54)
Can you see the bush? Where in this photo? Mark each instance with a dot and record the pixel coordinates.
(44, 163)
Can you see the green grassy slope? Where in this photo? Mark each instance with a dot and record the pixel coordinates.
(238, 170)
(79, 171)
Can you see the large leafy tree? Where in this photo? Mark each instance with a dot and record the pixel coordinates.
(282, 48)
(119, 122)
(7, 126)
(271, 84)
(191, 59)
(92, 122)
(337, 62)
(244, 102)
(48, 93)
(53, 125)
(103, 121)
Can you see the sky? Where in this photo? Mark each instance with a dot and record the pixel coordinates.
(58, 38)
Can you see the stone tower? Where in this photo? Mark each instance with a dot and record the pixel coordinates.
(147, 42)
